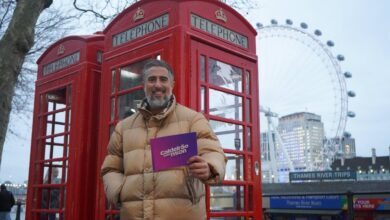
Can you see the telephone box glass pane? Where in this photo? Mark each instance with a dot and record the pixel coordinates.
(247, 83)
(234, 167)
(248, 110)
(49, 127)
(50, 107)
(50, 118)
(112, 109)
(226, 198)
(131, 75)
(225, 105)
(202, 68)
(59, 106)
(65, 172)
(128, 103)
(113, 81)
(59, 140)
(225, 75)
(248, 139)
(202, 98)
(230, 135)
(58, 151)
(68, 120)
(59, 128)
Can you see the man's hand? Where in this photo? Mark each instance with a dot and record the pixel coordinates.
(199, 168)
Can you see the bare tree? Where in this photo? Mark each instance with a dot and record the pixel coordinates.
(242, 6)
(20, 30)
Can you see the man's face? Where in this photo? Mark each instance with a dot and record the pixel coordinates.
(158, 87)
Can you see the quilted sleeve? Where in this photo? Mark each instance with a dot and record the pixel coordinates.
(112, 168)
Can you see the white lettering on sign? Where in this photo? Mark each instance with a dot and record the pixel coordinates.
(218, 30)
(141, 30)
(61, 63)
(174, 151)
(363, 204)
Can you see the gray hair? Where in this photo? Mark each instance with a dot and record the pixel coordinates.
(157, 63)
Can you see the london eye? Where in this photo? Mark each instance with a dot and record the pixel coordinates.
(299, 73)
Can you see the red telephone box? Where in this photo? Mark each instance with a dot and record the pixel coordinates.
(212, 51)
(62, 176)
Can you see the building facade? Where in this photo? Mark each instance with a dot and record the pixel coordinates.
(345, 147)
(367, 168)
(302, 134)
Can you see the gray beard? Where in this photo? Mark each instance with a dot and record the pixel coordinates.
(157, 104)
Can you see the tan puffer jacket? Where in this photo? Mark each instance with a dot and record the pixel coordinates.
(171, 194)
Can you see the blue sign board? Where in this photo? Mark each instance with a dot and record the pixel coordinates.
(306, 202)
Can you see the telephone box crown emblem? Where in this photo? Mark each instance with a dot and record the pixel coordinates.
(139, 14)
(220, 15)
(61, 49)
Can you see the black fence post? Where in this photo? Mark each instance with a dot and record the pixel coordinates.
(351, 214)
(18, 210)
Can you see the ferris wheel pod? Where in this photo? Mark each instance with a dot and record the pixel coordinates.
(347, 134)
(330, 43)
(351, 93)
(317, 32)
(348, 75)
(304, 25)
(351, 114)
(274, 22)
(259, 25)
(289, 21)
(340, 57)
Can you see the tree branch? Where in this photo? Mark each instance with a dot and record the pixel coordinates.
(89, 10)
(7, 9)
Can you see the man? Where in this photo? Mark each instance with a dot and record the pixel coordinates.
(7, 200)
(127, 172)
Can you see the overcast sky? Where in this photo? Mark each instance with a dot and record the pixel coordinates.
(360, 30)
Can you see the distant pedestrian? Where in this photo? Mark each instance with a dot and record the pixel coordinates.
(7, 200)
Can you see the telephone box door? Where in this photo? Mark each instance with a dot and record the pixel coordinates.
(226, 88)
(52, 147)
